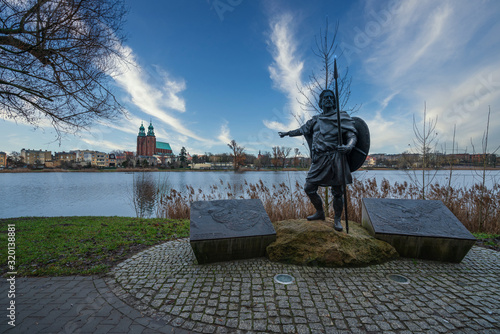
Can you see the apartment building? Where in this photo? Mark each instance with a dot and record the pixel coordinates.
(35, 157)
(3, 159)
(101, 159)
(65, 156)
(82, 156)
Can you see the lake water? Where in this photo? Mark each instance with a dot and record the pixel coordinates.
(110, 194)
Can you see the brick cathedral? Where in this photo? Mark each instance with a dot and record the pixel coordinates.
(147, 145)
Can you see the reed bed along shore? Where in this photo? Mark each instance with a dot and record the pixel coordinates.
(477, 207)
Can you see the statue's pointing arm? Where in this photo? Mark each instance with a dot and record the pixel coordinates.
(293, 133)
(302, 131)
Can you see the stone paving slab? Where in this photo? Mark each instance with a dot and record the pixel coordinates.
(70, 305)
(165, 283)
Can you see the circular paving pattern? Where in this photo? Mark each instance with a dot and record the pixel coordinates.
(165, 283)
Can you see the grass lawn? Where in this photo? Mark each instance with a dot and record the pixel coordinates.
(57, 246)
(488, 240)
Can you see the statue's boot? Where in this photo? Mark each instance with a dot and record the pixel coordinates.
(338, 205)
(318, 205)
(336, 224)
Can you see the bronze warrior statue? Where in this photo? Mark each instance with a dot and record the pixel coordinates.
(321, 133)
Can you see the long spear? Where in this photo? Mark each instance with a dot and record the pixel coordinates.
(344, 187)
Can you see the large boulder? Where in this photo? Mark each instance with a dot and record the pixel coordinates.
(316, 243)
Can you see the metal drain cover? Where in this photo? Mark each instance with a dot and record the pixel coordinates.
(284, 279)
(398, 279)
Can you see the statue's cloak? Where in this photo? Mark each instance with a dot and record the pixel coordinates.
(357, 156)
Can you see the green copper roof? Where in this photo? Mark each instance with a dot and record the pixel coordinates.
(163, 146)
(142, 132)
(151, 130)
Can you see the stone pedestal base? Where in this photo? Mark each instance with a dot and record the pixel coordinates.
(226, 230)
(417, 228)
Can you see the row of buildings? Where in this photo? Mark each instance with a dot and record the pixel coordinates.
(148, 150)
(58, 159)
(405, 160)
(156, 153)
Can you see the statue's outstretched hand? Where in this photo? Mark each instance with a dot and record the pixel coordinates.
(283, 134)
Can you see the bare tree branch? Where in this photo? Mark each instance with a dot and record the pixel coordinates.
(55, 56)
(325, 50)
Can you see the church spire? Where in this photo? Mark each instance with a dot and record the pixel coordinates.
(142, 131)
(151, 131)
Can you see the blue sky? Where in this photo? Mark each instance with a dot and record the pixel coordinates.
(209, 71)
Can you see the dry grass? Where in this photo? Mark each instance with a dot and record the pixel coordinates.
(281, 201)
(477, 208)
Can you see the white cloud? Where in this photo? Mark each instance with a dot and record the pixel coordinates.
(386, 132)
(171, 89)
(128, 124)
(151, 99)
(43, 123)
(388, 99)
(286, 70)
(224, 135)
(443, 53)
(276, 125)
(103, 144)
(420, 34)
(466, 104)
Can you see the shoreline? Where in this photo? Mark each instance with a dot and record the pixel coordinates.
(243, 170)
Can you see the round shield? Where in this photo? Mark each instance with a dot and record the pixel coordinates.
(358, 155)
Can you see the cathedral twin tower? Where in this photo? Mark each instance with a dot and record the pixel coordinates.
(147, 145)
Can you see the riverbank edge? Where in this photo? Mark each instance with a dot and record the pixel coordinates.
(137, 170)
(242, 170)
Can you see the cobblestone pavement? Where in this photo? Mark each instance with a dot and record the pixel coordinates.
(162, 290)
(165, 284)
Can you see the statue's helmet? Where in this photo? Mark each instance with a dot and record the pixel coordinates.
(320, 102)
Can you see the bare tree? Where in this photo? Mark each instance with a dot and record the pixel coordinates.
(326, 50)
(424, 142)
(55, 60)
(450, 160)
(276, 156)
(265, 159)
(296, 159)
(285, 152)
(280, 154)
(14, 159)
(484, 208)
(238, 154)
